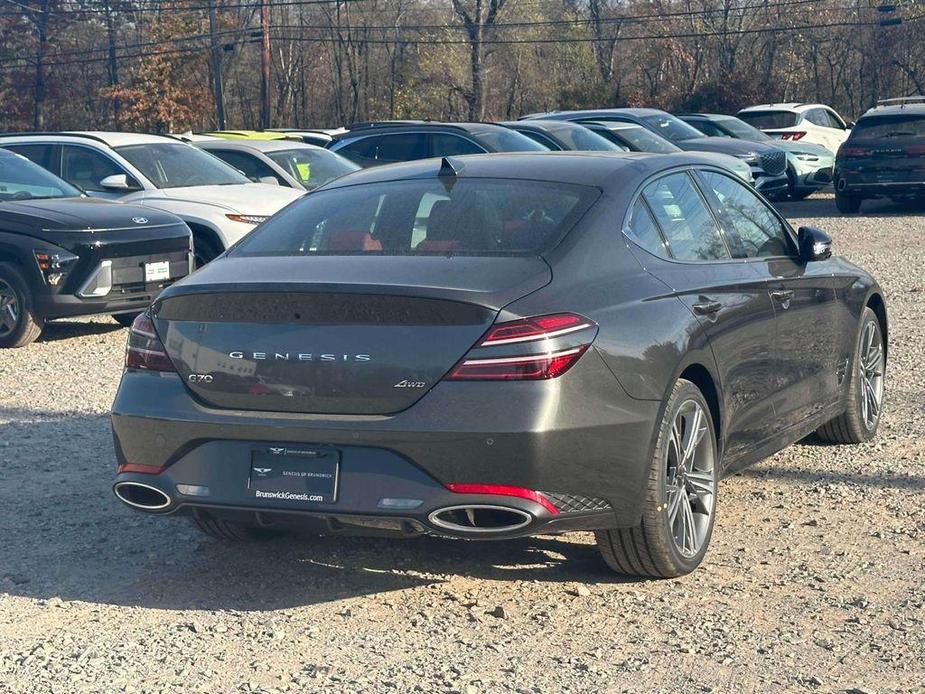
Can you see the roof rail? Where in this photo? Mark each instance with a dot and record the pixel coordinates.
(56, 133)
(386, 123)
(901, 100)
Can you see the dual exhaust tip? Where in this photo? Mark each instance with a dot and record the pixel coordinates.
(142, 496)
(471, 519)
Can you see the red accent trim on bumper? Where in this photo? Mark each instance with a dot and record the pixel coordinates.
(503, 490)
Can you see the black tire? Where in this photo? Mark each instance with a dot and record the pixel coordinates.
(801, 193)
(847, 203)
(204, 251)
(851, 426)
(15, 294)
(650, 549)
(125, 319)
(230, 531)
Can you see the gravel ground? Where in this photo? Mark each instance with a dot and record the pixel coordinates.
(815, 579)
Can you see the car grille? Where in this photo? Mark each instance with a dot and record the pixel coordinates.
(774, 163)
(574, 503)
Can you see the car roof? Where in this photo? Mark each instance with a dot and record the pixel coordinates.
(613, 124)
(247, 134)
(892, 107)
(112, 139)
(258, 145)
(397, 126)
(546, 126)
(705, 116)
(795, 106)
(638, 112)
(596, 169)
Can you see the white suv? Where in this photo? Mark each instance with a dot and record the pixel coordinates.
(814, 123)
(219, 204)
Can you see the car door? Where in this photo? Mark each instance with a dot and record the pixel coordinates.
(822, 133)
(810, 357)
(85, 168)
(672, 220)
(840, 130)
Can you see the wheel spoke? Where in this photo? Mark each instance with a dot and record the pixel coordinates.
(674, 503)
(690, 540)
(700, 483)
(694, 435)
(874, 404)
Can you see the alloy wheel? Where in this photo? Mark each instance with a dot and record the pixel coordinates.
(9, 309)
(690, 481)
(870, 374)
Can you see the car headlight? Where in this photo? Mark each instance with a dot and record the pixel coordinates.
(248, 218)
(750, 158)
(806, 156)
(54, 266)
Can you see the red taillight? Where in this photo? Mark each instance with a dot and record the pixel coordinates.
(534, 367)
(796, 135)
(503, 490)
(853, 152)
(143, 469)
(529, 349)
(538, 328)
(145, 349)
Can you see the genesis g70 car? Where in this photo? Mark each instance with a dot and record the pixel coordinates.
(497, 346)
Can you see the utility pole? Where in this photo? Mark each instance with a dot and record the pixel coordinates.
(217, 91)
(113, 63)
(41, 25)
(265, 116)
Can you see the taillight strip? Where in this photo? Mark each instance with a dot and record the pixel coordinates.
(521, 360)
(532, 338)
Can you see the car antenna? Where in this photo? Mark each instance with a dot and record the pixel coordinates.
(448, 172)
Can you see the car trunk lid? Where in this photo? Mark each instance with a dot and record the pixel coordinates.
(365, 335)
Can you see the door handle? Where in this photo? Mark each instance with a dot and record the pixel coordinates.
(782, 295)
(707, 308)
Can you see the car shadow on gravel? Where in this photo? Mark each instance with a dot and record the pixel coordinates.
(67, 330)
(824, 208)
(64, 535)
(807, 475)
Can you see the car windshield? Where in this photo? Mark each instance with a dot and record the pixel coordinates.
(741, 129)
(466, 216)
(500, 139)
(312, 167)
(176, 165)
(641, 140)
(885, 127)
(580, 139)
(670, 127)
(20, 179)
(770, 120)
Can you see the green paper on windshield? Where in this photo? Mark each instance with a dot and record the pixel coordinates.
(304, 170)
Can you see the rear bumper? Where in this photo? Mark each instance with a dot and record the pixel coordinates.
(588, 451)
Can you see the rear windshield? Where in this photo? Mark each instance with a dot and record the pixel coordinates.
(312, 167)
(770, 120)
(466, 216)
(888, 127)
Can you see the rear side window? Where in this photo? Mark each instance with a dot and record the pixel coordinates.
(40, 154)
(685, 220)
(644, 230)
(760, 232)
(474, 216)
(889, 127)
(362, 151)
(770, 120)
(403, 147)
(452, 145)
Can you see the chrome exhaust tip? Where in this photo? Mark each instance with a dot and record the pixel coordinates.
(141, 496)
(477, 519)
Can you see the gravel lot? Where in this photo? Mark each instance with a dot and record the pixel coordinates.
(815, 579)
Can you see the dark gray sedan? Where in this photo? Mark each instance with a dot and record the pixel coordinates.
(495, 346)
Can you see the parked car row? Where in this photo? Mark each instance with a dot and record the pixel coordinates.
(61, 255)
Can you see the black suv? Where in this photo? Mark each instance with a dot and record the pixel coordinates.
(884, 156)
(63, 254)
(388, 142)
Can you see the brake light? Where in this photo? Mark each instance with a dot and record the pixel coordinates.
(534, 351)
(503, 490)
(794, 136)
(145, 349)
(539, 328)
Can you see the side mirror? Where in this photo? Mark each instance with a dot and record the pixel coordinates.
(117, 182)
(271, 180)
(814, 244)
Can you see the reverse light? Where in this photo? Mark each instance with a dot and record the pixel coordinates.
(533, 352)
(145, 349)
(248, 218)
(503, 490)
